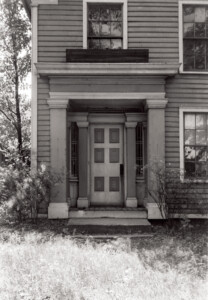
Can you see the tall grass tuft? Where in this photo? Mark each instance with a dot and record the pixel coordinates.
(57, 268)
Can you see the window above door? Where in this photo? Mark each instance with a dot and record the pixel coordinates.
(193, 33)
(104, 24)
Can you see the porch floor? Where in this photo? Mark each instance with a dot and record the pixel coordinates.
(109, 216)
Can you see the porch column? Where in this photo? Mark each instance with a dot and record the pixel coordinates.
(82, 201)
(155, 146)
(58, 207)
(131, 200)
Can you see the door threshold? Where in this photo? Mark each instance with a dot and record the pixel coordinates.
(109, 208)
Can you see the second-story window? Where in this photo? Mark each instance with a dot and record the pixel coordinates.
(105, 26)
(195, 37)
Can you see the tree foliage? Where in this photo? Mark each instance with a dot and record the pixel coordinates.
(15, 65)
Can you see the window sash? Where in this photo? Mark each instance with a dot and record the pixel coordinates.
(195, 56)
(104, 41)
(139, 150)
(195, 152)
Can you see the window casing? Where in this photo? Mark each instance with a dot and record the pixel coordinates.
(106, 28)
(105, 23)
(195, 145)
(194, 36)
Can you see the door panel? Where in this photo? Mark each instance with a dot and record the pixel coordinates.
(106, 158)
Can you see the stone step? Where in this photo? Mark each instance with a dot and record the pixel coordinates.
(109, 222)
(115, 214)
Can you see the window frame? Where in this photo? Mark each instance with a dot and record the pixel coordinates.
(181, 3)
(182, 112)
(85, 19)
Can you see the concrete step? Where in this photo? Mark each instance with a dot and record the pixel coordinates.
(115, 214)
(109, 222)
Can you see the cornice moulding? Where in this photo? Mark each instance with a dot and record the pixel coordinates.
(39, 2)
(144, 69)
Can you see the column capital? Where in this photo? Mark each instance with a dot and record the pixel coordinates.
(58, 103)
(130, 124)
(156, 103)
(82, 124)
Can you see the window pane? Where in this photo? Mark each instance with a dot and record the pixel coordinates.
(94, 44)
(188, 29)
(105, 28)
(94, 28)
(116, 14)
(105, 13)
(190, 121)
(201, 153)
(207, 14)
(200, 30)
(190, 169)
(201, 137)
(116, 28)
(190, 137)
(201, 121)
(188, 55)
(200, 14)
(201, 170)
(105, 44)
(190, 153)
(200, 55)
(93, 12)
(188, 13)
(116, 44)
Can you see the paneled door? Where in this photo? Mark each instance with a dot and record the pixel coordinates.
(106, 165)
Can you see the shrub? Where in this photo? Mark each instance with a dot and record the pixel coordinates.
(22, 193)
(168, 191)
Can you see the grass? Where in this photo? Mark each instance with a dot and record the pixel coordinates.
(45, 262)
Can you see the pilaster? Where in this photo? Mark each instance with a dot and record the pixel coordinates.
(155, 146)
(58, 207)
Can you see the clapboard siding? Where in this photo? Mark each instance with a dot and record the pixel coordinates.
(188, 90)
(152, 25)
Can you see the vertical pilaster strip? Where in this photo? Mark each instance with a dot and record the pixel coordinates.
(34, 16)
(83, 165)
(131, 200)
(58, 207)
(155, 145)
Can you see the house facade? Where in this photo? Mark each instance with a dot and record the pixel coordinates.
(117, 84)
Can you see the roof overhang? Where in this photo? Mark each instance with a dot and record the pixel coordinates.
(144, 69)
(27, 4)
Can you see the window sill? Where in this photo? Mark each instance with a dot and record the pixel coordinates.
(193, 72)
(194, 180)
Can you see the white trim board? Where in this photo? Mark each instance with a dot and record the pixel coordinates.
(125, 22)
(180, 26)
(182, 110)
(57, 96)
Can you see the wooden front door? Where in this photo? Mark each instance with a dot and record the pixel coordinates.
(107, 165)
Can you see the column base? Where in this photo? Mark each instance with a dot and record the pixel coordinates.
(153, 211)
(131, 202)
(58, 211)
(82, 203)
